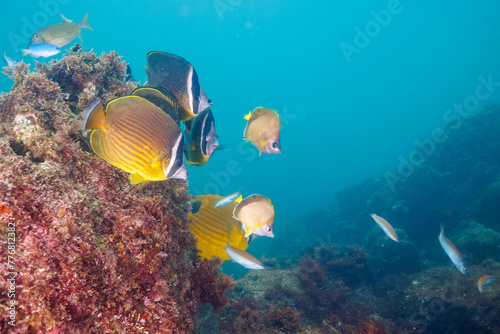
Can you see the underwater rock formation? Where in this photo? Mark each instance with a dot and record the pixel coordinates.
(92, 253)
(478, 241)
(442, 300)
(310, 297)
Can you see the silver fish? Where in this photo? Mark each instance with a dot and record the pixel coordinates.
(41, 50)
(243, 258)
(9, 61)
(60, 34)
(452, 252)
(236, 196)
(385, 226)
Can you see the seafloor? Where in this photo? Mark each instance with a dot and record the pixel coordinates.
(94, 254)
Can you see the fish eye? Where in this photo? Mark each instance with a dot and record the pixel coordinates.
(36, 36)
(275, 145)
(269, 229)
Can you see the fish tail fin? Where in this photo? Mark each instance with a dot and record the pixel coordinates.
(238, 200)
(84, 23)
(25, 52)
(65, 20)
(94, 116)
(247, 117)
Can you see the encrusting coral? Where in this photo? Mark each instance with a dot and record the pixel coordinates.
(93, 253)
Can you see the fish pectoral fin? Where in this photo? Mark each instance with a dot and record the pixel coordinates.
(260, 153)
(248, 232)
(25, 52)
(135, 178)
(223, 148)
(161, 156)
(247, 117)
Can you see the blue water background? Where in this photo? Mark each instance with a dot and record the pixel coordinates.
(343, 118)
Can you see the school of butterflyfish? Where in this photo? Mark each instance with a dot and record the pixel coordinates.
(141, 134)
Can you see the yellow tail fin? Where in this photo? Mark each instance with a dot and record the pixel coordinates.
(238, 200)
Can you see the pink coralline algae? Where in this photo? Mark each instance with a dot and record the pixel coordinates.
(92, 253)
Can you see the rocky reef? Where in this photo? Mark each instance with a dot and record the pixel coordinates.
(89, 252)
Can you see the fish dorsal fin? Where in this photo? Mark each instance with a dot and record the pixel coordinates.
(160, 98)
(247, 117)
(135, 178)
(65, 20)
(94, 116)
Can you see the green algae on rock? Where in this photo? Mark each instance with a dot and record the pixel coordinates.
(92, 252)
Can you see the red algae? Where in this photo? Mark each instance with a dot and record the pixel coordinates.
(93, 253)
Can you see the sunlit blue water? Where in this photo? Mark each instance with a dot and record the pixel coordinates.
(351, 103)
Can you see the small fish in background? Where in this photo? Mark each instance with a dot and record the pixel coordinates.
(60, 34)
(243, 258)
(385, 226)
(9, 61)
(484, 280)
(234, 197)
(136, 136)
(201, 139)
(256, 213)
(128, 75)
(263, 130)
(195, 203)
(41, 50)
(452, 252)
(63, 96)
(178, 77)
